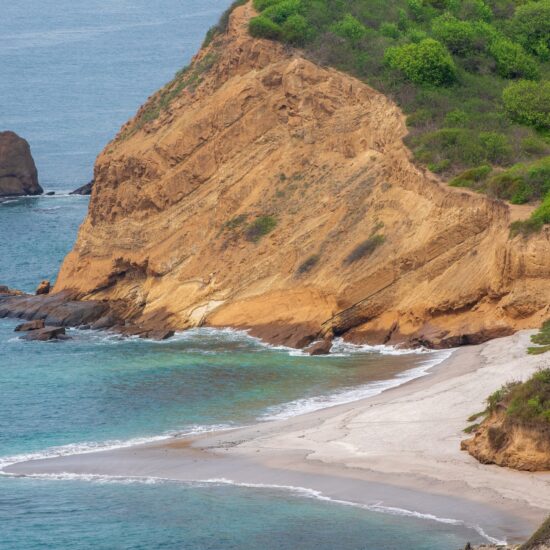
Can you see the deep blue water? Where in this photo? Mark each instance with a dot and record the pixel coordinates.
(70, 74)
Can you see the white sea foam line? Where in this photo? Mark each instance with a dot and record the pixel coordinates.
(310, 404)
(301, 491)
(379, 507)
(110, 445)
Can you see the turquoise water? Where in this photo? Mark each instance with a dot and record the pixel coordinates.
(71, 73)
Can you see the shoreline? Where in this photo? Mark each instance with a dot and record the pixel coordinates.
(396, 450)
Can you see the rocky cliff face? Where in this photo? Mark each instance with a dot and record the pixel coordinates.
(18, 175)
(262, 191)
(501, 441)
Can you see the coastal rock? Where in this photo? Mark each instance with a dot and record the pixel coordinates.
(45, 334)
(320, 348)
(256, 164)
(58, 309)
(31, 325)
(6, 291)
(85, 189)
(18, 174)
(43, 288)
(504, 442)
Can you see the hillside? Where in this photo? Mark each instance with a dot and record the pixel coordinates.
(260, 190)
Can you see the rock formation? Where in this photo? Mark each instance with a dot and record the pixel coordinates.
(18, 175)
(85, 189)
(502, 441)
(259, 190)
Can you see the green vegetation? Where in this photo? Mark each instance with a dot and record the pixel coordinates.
(365, 249)
(539, 538)
(472, 76)
(523, 402)
(541, 339)
(259, 228)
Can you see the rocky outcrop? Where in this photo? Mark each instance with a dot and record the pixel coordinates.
(262, 191)
(85, 189)
(18, 175)
(506, 442)
(43, 288)
(45, 334)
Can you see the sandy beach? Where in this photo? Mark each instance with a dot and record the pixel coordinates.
(397, 452)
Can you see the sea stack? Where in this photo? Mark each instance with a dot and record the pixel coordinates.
(18, 174)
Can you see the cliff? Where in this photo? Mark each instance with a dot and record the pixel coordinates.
(516, 429)
(513, 444)
(259, 190)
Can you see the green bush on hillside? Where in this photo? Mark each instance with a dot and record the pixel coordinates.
(263, 27)
(529, 102)
(427, 62)
(349, 27)
(512, 60)
(531, 25)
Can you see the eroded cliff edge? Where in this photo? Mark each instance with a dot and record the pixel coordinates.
(358, 240)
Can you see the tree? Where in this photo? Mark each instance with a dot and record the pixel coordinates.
(349, 28)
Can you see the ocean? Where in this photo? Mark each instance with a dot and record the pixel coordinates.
(71, 74)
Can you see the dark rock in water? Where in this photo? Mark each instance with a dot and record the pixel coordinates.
(320, 348)
(31, 325)
(43, 288)
(18, 175)
(84, 190)
(158, 334)
(45, 334)
(50, 193)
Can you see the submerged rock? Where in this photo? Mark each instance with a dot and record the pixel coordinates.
(18, 174)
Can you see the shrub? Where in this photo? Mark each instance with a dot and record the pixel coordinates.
(390, 30)
(349, 28)
(512, 60)
(542, 214)
(531, 25)
(528, 102)
(497, 148)
(427, 62)
(281, 11)
(296, 30)
(365, 249)
(260, 227)
(462, 37)
(522, 182)
(471, 176)
(263, 27)
(530, 402)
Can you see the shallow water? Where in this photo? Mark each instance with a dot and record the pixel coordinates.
(71, 74)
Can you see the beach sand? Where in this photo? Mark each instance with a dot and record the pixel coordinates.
(395, 452)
